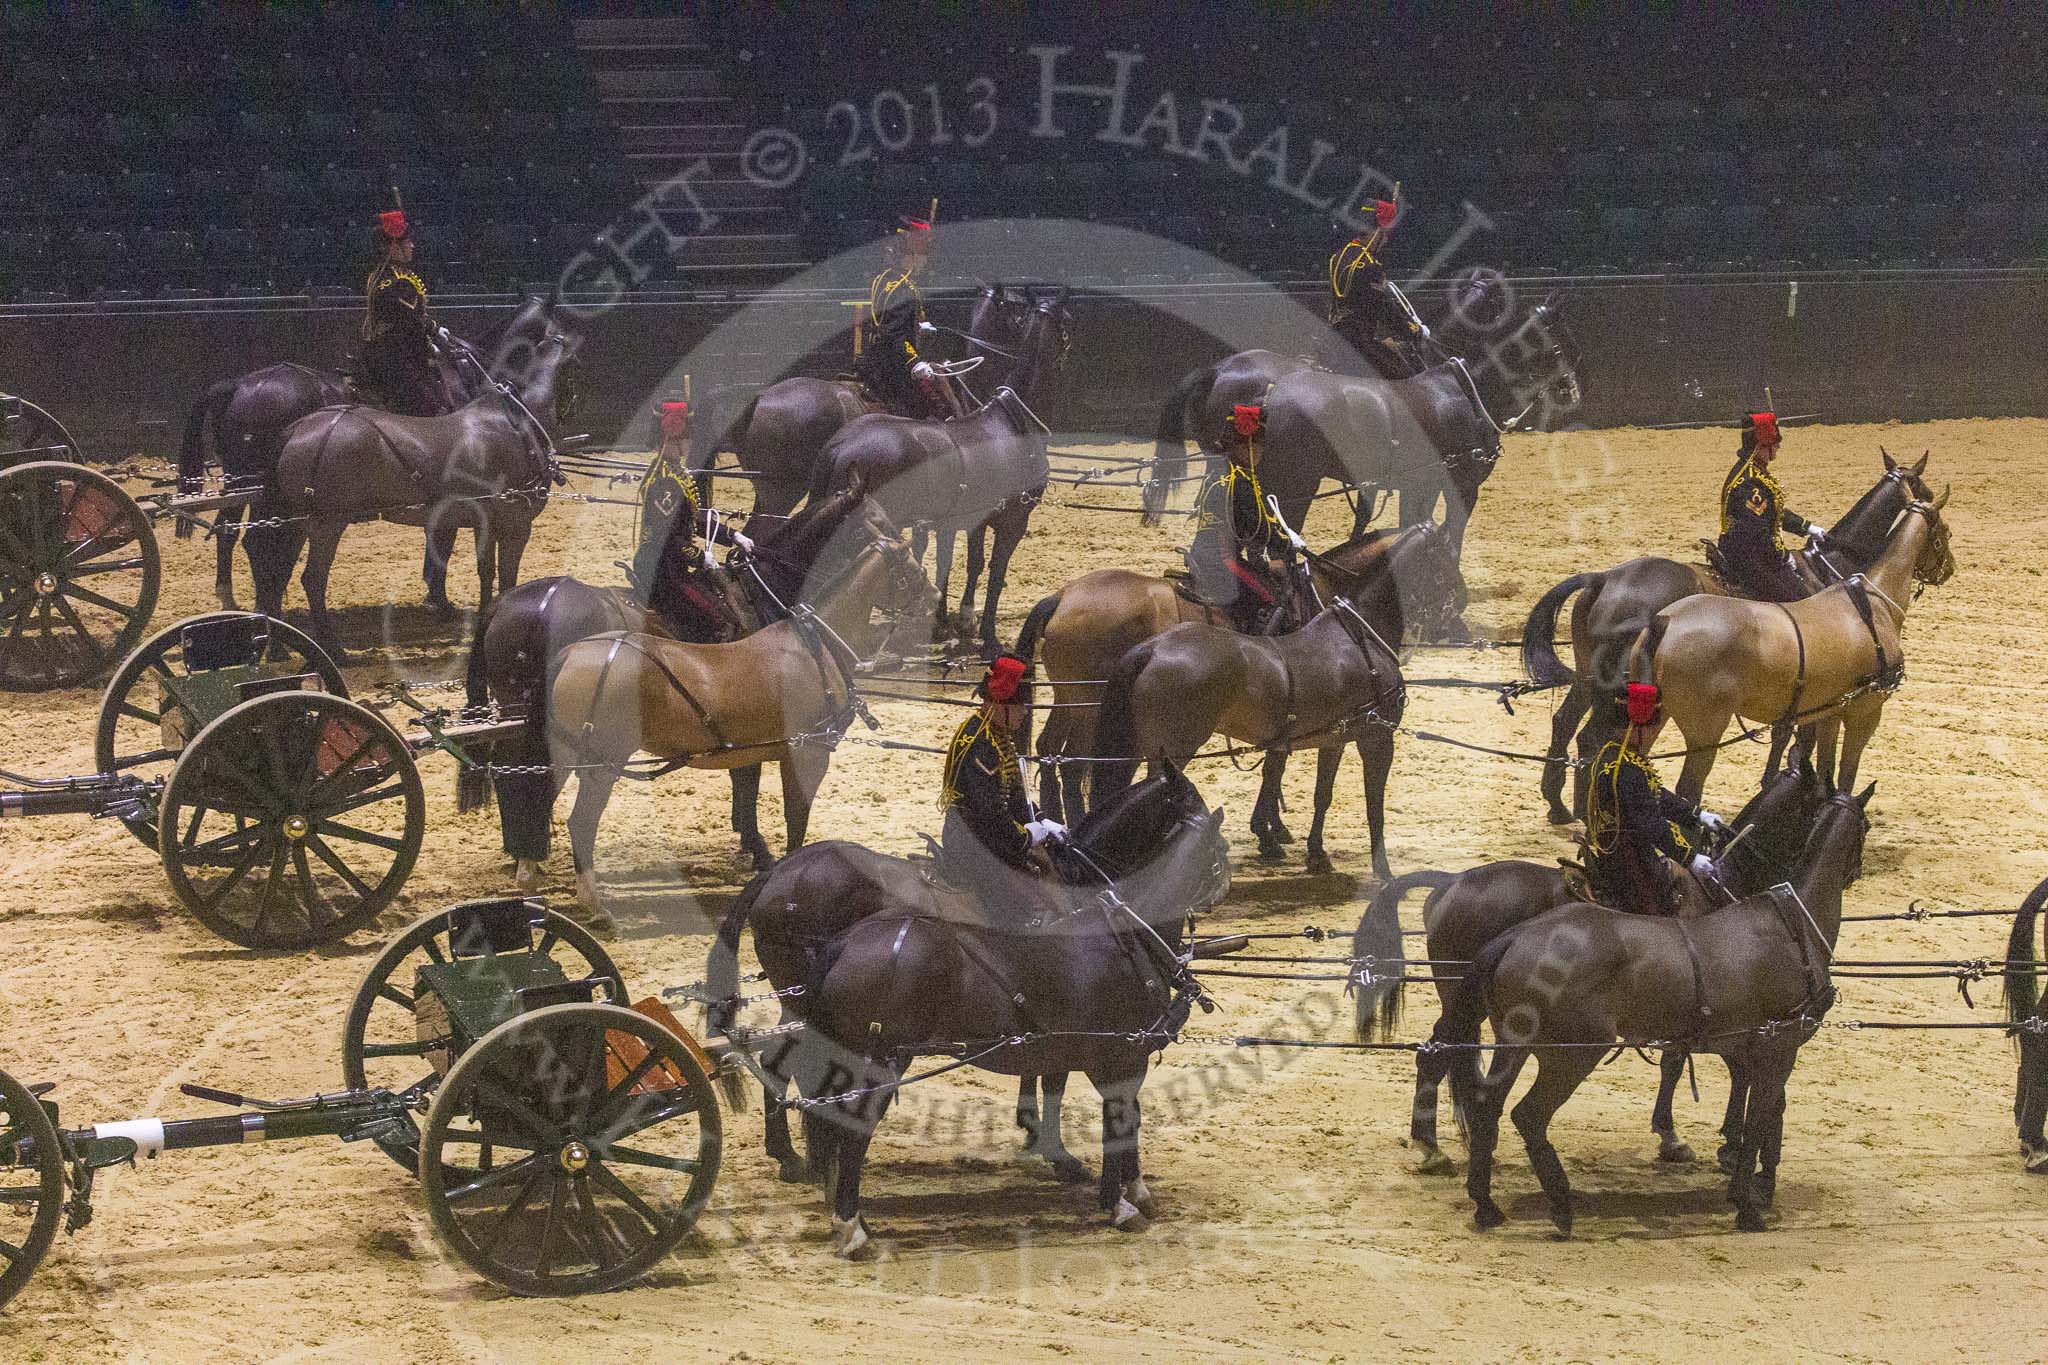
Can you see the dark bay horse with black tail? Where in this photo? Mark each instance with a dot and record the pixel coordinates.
(1095, 984)
(2023, 1009)
(519, 636)
(778, 432)
(792, 921)
(1748, 982)
(1435, 434)
(247, 418)
(1467, 910)
(1613, 606)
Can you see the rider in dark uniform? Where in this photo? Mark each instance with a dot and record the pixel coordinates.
(1632, 822)
(1236, 534)
(1753, 512)
(673, 571)
(891, 364)
(397, 333)
(1363, 309)
(990, 826)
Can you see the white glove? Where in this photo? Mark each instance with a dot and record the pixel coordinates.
(442, 332)
(923, 370)
(1043, 830)
(744, 541)
(1294, 539)
(926, 329)
(1423, 329)
(1712, 823)
(1816, 538)
(1702, 866)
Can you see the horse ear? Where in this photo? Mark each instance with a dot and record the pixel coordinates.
(1863, 798)
(1942, 501)
(1921, 467)
(1889, 462)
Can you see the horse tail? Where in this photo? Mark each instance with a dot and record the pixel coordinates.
(713, 429)
(192, 453)
(1169, 442)
(1642, 655)
(1460, 1023)
(1116, 725)
(722, 971)
(2022, 986)
(1379, 938)
(1027, 649)
(1539, 633)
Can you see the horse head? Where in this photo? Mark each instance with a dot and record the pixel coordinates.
(1910, 475)
(1936, 563)
(1423, 564)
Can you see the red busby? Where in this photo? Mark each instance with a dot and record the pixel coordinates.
(1004, 676)
(1760, 429)
(391, 222)
(1247, 418)
(1642, 703)
(675, 418)
(1384, 211)
(914, 227)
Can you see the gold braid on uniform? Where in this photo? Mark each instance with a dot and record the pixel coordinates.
(1602, 824)
(1344, 263)
(972, 729)
(1750, 469)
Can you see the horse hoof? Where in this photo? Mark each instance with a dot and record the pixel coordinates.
(440, 608)
(1749, 1220)
(1319, 863)
(1069, 1169)
(1488, 1215)
(526, 874)
(1558, 815)
(227, 600)
(1140, 1195)
(1281, 832)
(850, 1240)
(1725, 1158)
(1436, 1163)
(1561, 1221)
(1677, 1153)
(1126, 1218)
(2037, 1162)
(1271, 852)
(792, 1170)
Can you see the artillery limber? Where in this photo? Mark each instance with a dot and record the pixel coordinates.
(286, 813)
(564, 1142)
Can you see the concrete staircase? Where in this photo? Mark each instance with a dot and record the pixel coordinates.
(673, 104)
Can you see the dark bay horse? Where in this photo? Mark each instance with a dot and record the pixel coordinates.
(486, 465)
(1435, 434)
(519, 637)
(1746, 982)
(1614, 605)
(1091, 985)
(1467, 910)
(2023, 1008)
(247, 418)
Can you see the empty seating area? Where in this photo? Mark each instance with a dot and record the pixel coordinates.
(235, 151)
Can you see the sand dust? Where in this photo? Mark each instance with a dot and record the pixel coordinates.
(1292, 1224)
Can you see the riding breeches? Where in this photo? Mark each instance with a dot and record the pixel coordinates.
(403, 376)
(1764, 574)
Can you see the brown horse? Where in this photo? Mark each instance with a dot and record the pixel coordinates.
(2024, 1009)
(1748, 982)
(1396, 578)
(1612, 607)
(1828, 661)
(1467, 910)
(779, 695)
(486, 466)
(1333, 683)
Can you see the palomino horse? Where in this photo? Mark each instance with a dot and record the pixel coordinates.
(1828, 661)
(485, 466)
(986, 469)
(1335, 682)
(1748, 982)
(779, 695)
(1467, 910)
(2023, 1009)
(778, 433)
(249, 415)
(1395, 578)
(1095, 985)
(1613, 606)
(518, 639)
(793, 918)
(1434, 434)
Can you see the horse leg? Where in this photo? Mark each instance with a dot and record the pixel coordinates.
(1028, 1116)
(1768, 1152)
(2030, 1106)
(1376, 756)
(1429, 1079)
(440, 548)
(850, 1237)
(1856, 731)
(1046, 1139)
(1051, 785)
(1559, 1071)
(1122, 1191)
(1699, 761)
(1328, 761)
(1731, 1119)
(1671, 1068)
(272, 552)
(1266, 810)
(1766, 1094)
(803, 768)
(942, 555)
(487, 551)
(1577, 699)
(323, 539)
(226, 531)
(593, 793)
(775, 1139)
(1009, 533)
(1485, 1134)
(977, 556)
(746, 810)
(1600, 726)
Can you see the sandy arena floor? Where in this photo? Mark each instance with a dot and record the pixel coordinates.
(1292, 1223)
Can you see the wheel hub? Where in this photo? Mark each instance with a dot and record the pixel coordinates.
(574, 1156)
(46, 583)
(297, 827)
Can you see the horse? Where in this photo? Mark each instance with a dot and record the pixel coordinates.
(1093, 985)
(778, 433)
(985, 469)
(248, 416)
(1749, 982)
(519, 637)
(1830, 660)
(1433, 434)
(791, 921)
(2030, 1021)
(780, 695)
(485, 465)
(1614, 605)
(1334, 682)
(1467, 910)
(1395, 578)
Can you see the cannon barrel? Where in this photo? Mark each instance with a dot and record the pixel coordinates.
(95, 796)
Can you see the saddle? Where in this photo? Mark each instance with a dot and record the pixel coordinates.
(1717, 565)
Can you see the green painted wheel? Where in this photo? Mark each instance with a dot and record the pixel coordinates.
(79, 574)
(31, 1185)
(27, 433)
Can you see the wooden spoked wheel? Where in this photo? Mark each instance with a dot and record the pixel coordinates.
(592, 1139)
(79, 574)
(381, 1045)
(291, 820)
(31, 1185)
(28, 433)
